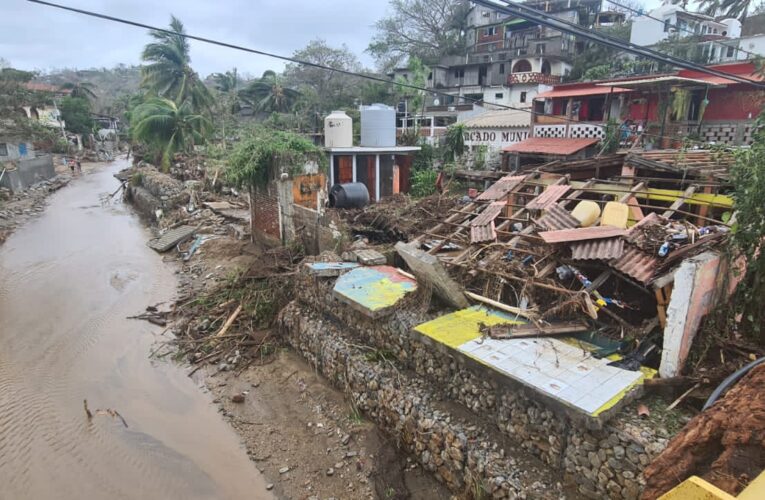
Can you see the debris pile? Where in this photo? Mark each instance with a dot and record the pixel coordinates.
(15, 208)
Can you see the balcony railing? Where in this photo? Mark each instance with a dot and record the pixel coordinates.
(532, 77)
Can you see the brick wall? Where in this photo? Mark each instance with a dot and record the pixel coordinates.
(264, 212)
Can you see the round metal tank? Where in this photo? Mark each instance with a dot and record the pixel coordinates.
(378, 126)
(338, 130)
(350, 195)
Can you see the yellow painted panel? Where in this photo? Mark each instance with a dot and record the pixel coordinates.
(755, 490)
(615, 214)
(695, 488)
(462, 326)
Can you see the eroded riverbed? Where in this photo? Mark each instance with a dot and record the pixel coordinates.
(68, 280)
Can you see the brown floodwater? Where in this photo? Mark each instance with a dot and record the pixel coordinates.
(68, 280)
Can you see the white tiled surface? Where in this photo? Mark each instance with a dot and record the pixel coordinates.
(556, 368)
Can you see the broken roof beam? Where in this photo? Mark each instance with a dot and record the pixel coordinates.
(680, 201)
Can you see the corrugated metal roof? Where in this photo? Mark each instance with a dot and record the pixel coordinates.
(489, 213)
(636, 264)
(556, 217)
(606, 249)
(500, 188)
(594, 90)
(548, 197)
(677, 80)
(581, 234)
(550, 146)
(479, 234)
(500, 119)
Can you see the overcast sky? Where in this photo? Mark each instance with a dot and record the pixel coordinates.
(37, 37)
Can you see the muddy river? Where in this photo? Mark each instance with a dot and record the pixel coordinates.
(67, 282)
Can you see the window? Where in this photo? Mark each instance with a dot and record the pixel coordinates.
(540, 48)
(667, 24)
(491, 31)
(523, 96)
(430, 75)
(3, 149)
(712, 53)
(459, 73)
(502, 69)
(704, 30)
(730, 52)
(499, 96)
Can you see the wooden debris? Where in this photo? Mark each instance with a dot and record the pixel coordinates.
(527, 331)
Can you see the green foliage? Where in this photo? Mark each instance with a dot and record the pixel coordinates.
(169, 73)
(599, 56)
(270, 94)
(166, 128)
(748, 179)
(423, 159)
(265, 153)
(75, 111)
(612, 136)
(85, 90)
(454, 142)
(422, 29)
(423, 183)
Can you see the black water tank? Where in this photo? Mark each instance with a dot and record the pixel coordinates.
(351, 195)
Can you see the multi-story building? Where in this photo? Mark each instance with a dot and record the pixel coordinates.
(507, 63)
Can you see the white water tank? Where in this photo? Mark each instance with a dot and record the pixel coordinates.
(338, 130)
(378, 126)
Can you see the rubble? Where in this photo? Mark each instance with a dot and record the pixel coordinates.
(17, 208)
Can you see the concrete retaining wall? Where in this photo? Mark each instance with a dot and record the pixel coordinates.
(27, 173)
(596, 461)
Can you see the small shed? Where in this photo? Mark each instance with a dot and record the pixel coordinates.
(383, 170)
(538, 150)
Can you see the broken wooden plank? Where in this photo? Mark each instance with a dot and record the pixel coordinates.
(504, 331)
(680, 201)
(499, 305)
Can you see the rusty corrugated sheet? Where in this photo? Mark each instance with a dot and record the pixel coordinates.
(581, 234)
(606, 249)
(500, 188)
(548, 197)
(489, 213)
(550, 146)
(636, 264)
(556, 217)
(479, 234)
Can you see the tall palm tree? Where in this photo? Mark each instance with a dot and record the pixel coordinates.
(269, 94)
(735, 8)
(709, 7)
(85, 90)
(226, 82)
(167, 127)
(169, 73)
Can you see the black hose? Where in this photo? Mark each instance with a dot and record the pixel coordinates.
(729, 381)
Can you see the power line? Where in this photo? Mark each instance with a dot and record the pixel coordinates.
(643, 14)
(533, 15)
(298, 61)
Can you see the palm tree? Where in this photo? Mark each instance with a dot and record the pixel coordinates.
(167, 127)
(269, 94)
(226, 82)
(709, 7)
(735, 8)
(169, 73)
(86, 90)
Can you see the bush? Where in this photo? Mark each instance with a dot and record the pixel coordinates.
(423, 183)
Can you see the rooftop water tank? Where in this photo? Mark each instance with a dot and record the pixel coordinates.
(338, 130)
(378, 126)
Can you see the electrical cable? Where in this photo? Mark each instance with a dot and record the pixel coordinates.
(533, 15)
(306, 63)
(729, 381)
(644, 14)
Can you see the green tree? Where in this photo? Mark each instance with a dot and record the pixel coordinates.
(75, 111)
(748, 179)
(328, 89)
(166, 128)
(605, 59)
(270, 94)
(85, 90)
(168, 73)
(426, 29)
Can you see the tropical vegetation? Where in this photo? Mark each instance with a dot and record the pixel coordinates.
(270, 94)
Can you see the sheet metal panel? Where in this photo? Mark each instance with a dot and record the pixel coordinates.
(581, 234)
(556, 218)
(479, 234)
(489, 213)
(501, 188)
(548, 197)
(636, 264)
(610, 248)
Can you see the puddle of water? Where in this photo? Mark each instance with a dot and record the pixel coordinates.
(67, 282)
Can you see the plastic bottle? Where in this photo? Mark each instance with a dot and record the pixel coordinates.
(664, 249)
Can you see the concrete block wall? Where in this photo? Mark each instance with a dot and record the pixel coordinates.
(264, 212)
(27, 172)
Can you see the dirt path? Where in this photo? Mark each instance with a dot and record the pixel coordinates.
(68, 279)
(292, 419)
